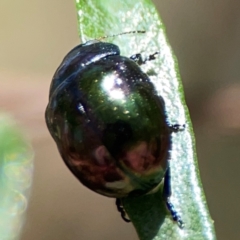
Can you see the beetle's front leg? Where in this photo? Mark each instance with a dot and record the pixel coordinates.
(137, 58)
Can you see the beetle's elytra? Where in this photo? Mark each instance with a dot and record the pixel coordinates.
(109, 124)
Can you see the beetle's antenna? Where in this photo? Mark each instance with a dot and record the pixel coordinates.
(119, 34)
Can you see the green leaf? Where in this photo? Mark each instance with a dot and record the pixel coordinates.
(148, 214)
(16, 168)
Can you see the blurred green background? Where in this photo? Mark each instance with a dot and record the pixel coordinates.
(205, 36)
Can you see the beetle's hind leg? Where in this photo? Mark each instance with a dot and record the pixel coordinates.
(121, 209)
(167, 192)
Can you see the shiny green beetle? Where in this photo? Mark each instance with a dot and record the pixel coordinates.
(109, 124)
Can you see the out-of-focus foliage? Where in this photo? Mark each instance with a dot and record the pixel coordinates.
(16, 168)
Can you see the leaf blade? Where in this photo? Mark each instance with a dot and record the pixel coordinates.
(108, 17)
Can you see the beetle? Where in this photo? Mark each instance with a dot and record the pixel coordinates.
(109, 123)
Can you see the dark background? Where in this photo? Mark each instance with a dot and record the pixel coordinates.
(205, 36)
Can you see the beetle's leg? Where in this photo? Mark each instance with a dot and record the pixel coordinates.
(177, 127)
(139, 59)
(121, 209)
(167, 192)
